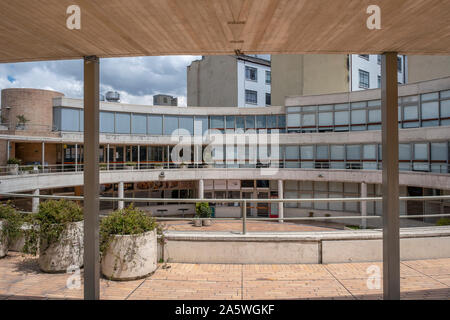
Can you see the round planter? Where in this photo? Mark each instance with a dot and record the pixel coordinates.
(67, 252)
(130, 257)
(18, 244)
(3, 243)
(13, 169)
(207, 222)
(197, 222)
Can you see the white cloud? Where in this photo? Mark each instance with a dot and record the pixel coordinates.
(136, 79)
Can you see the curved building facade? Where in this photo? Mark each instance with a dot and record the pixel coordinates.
(323, 146)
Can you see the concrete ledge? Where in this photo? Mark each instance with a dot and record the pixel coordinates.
(305, 247)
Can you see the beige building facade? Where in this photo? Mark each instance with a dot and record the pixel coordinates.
(423, 68)
(298, 75)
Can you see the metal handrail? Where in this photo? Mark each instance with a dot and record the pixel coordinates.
(243, 203)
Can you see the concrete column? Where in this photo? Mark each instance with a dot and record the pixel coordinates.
(76, 157)
(280, 204)
(139, 157)
(363, 205)
(43, 155)
(107, 157)
(91, 179)
(35, 202)
(390, 185)
(201, 189)
(120, 195)
(8, 150)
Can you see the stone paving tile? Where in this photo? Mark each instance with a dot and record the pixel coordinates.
(20, 278)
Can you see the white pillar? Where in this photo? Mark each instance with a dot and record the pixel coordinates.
(363, 205)
(280, 204)
(139, 157)
(107, 157)
(35, 202)
(121, 194)
(43, 155)
(76, 157)
(201, 189)
(8, 147)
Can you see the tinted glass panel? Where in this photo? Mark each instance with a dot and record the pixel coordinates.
(187, 123)
(139, 124)
(170, 124)
(107, 122)
(155, 124)
(70, 119)
(123, 122)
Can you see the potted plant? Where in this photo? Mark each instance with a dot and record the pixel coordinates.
(103, 166)
(13, 166)
(130, 165)
(26, 170)
(57, 234)
(128, 244)
(203, 211)
(9, 227)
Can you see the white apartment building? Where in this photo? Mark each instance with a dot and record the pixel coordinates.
(365, 71)
(229, 81)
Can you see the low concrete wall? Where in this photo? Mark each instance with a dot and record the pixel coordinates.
(306, 247)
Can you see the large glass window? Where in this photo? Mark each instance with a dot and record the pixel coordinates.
(170, 124)
(341, 118)
(70, 119)
(325, 119)
(123, 122)
(439, 151)
(292, 152)
(139, 124)
(374, 115)
(250, 122)
(309, 120)
(155, 124)
(322, 152)
(261, 122)
(404, 151)
(307, 152)
(445, 108)
(410, 113)
(272, 122)
(107, 122)
(200, 125)
(353, 152)
(421, 151)
(187, 123)
(369, 152)
(430, 110)
(230, 122)
(240, 123)
(337, 152)
(358, 116)
(217, 122)
(293, 120)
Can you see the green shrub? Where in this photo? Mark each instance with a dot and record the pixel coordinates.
(14, 161)
(49, 223)
(202, 210)
(127, 221)
(443, 222)
(11, 228)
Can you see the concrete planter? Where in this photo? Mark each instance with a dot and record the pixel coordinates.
(68, 251)
(197, 222)
(130, 257)
(3, 243)
(207, 222)
(13, 169)
(18, 244)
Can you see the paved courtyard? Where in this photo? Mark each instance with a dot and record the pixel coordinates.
(20, 278)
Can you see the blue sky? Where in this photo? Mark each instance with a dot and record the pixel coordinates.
(137, 79)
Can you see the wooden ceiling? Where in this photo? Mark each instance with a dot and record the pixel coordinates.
(36, 30)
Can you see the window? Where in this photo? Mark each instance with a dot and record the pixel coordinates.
(186, 123)
(170, 124)
(268, 99)
(268, 77)
(251, 74)
(364, 56)
(261, 122)
(379, 59)
(123, 122)
(217, 122)
(70, 119)
(155, 124)
(379, 81)
(250, 122)
(107, 122)
(399, 64)
(139, 124)
(251, 97)
(363, 79)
